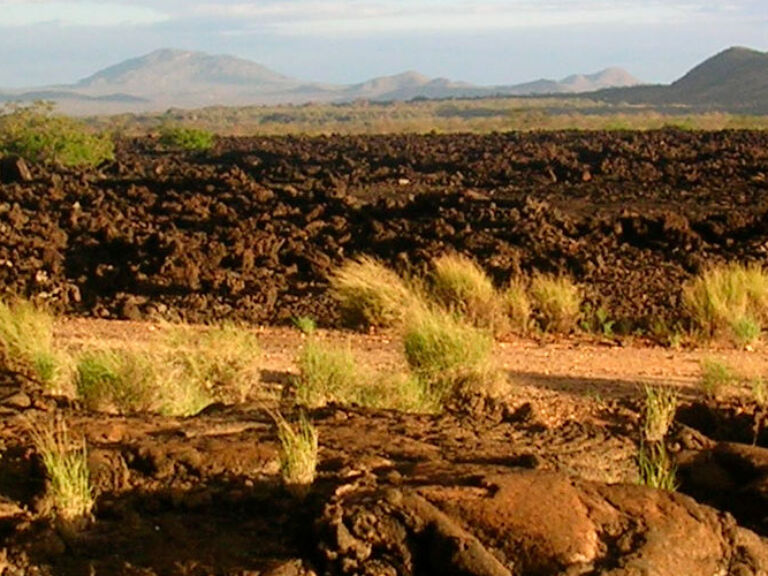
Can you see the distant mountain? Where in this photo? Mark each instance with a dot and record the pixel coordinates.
(735, 80)
(168, 70)
(177, 78)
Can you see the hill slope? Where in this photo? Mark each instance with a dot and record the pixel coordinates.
(735, 80)
(177, 78)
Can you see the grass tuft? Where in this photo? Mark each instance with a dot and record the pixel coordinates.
(654, 467)
(729, 300)
(67, 472)
(27, 345)
(461, 286)
(518, 306)
(660, 408)
(446, 353)
(326, 374)
(557, 301)
(223, 360)
(123, 381)
(716, 377)
(305, 324)
(370, 294)
(298, 454)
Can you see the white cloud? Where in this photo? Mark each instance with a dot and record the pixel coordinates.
(365, 16)
(18, 13)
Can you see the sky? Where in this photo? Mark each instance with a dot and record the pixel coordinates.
(486, 42)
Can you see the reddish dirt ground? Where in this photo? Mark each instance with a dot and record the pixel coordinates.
(202, 495)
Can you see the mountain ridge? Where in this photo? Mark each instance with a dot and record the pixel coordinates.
(189, 79)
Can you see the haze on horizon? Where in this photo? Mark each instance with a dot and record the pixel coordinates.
(480, 41)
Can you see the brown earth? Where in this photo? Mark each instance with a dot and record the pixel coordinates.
(538, 480)
(251, 229)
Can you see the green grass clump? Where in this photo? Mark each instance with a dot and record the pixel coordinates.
(66, 468)
(298, 454)
(557, 301)
(37, 134)
(305, 324)
(123, 381)
(518, 306)
(716, 377)
(146, 379)
(460, 285)
(654, 467)
(327, 374)
(190, 139)
(660, 408)
(27, 345)
(446, 353)
(730, 301)
(370, 294)
(224, 360)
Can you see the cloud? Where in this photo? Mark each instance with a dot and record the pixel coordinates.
(18, 13)
(304, 17)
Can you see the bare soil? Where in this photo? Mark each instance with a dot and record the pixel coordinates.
(540, 481)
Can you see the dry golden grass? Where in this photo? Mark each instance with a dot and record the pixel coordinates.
(298, 453)
(27, 345)
(447, 353)
(460, 285)
(370, 294)
(660, 408)
(729, 301)
(66, 468)
(557, 301)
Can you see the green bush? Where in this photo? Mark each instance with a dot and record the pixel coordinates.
(34, 132)
(192, 139)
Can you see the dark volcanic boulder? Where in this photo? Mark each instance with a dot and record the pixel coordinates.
(14, 169)
(533, 523)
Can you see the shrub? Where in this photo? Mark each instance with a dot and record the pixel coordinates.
(191, 139)
(557, 301)
(27, 345)
(298, 454)
(730, 300)
(660, 408)
(370, 294)
(654, 467)
(326, 374)
(36, 133)
(66, 469)
(446, 353)
(460, 285)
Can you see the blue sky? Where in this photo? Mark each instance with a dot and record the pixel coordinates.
(481, 41)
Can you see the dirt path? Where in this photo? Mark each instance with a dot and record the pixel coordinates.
(577, 365)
